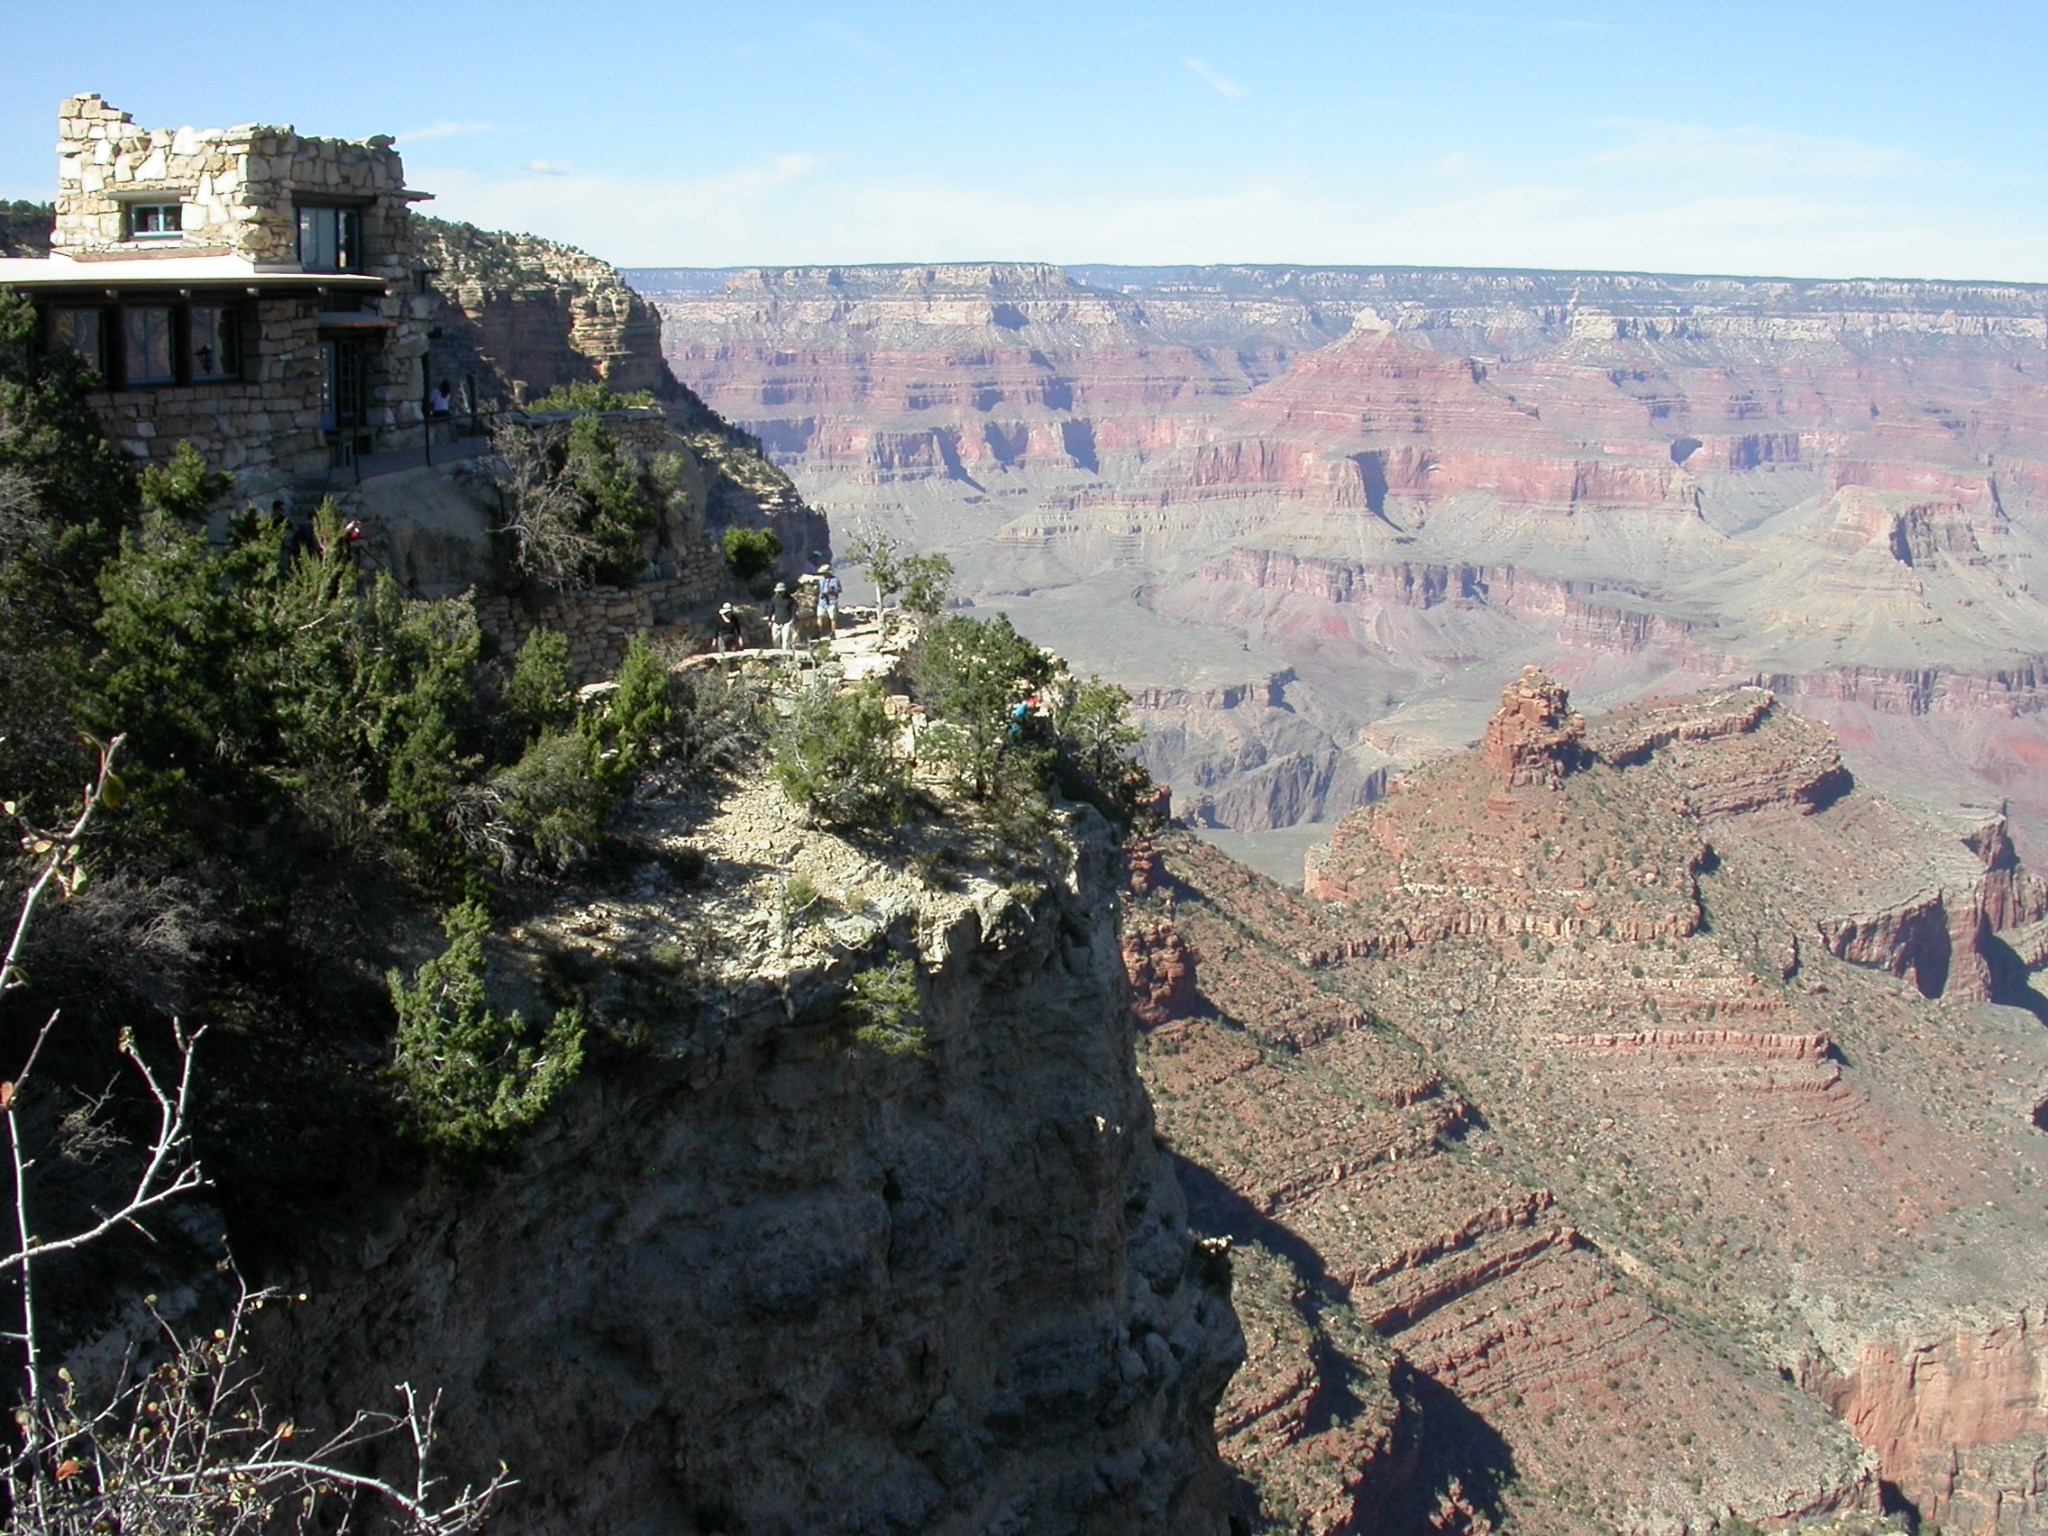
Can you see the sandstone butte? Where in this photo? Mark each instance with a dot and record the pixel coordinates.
(1635, 1125)
(1292, 507)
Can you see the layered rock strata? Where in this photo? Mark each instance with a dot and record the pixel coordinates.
(1668, 1212)
(1374, 478)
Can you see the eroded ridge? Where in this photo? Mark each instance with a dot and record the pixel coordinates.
(1653, 1203)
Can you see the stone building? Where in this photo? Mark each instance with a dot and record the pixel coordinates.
(248, 289)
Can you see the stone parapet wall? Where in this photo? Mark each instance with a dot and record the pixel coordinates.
(600, 622)
(239, 187)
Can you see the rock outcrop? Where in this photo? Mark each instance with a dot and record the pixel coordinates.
(1533, 738)
(1668, 1208)
(516, 317)
(758, 1276)
(521, 316)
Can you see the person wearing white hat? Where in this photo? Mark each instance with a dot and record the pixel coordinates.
(782, 617)
(732, 633)
(828, 599)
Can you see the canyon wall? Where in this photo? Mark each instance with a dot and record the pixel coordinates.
(521, 316)
(515, 317)
(1373, 478)
(1634, 1126)
(756, 1275)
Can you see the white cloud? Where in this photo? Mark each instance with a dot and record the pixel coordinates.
(545, 168)
(1219, 82)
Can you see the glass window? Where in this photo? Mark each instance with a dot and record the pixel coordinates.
(330, 239)
(81, 331)
(213, 342)
(148, 355)
(155, 221)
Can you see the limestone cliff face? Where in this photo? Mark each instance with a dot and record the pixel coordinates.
(517, 316)
(761, 1280)
(527, 315)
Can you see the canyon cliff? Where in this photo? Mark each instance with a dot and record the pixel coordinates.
(1633, 1126)
(1362, 481)
(759, 1274)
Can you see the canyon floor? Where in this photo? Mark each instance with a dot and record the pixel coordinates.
(1312, 516)
(1635, 1127)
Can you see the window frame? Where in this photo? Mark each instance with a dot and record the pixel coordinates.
(347, 233)
(97, 360)
(226, 338)
(131, 213)
(136, 329)
(114, 368)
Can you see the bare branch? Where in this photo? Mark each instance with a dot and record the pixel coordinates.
(188, 1444)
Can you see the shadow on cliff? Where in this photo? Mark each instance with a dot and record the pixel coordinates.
(1463, 1467)
(1451, 1465)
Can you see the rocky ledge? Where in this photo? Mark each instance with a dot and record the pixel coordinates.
(757, 1275)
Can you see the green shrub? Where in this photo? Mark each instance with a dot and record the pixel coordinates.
(1095, 740)
(619, 509)
(802, 901)
(474, 1078)
(1017, 808)
(883, 1005)
(539, 697)
(554, 804)
(750, 552)
(927, 585)
(185, 487)
(836, 757)
(969, 673)
(588, 395)
(641, 709)
(718, 727)
(925, 582)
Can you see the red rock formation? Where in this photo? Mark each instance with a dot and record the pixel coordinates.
(1937, 1410)
(1533, 738)
(1162, 972)
(1671, 1117)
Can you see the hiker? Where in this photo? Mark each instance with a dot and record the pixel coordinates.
(782, 617)
(732, 633)
(441, 401)
(828, 599)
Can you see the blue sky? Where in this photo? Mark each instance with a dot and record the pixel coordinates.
(1806, 139)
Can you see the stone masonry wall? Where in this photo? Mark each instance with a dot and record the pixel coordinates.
(600, 622)
(239, 188)
(264, 430)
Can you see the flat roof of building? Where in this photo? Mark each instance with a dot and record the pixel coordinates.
(169, 271)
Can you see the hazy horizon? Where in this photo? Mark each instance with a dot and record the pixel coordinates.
(1818, 140)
